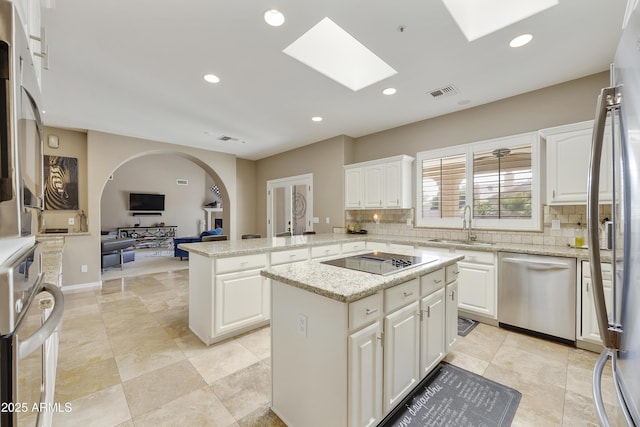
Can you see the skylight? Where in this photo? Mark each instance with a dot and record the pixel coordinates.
(477, 18)
(330, 50)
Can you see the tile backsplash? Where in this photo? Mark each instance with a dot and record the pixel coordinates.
(399, 222)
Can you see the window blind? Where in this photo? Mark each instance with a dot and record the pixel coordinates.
(502, 180)
(443, 186)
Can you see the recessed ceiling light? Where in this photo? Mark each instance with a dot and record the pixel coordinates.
(211, 78)
(330, 50)
(477, 18)
(521, 40)
(316, 119)
(274, 17)
(389, 91)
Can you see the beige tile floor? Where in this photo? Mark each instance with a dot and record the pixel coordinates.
(127, 358)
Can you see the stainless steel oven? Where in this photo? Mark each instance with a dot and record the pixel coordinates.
(30, 312)
(21, 131)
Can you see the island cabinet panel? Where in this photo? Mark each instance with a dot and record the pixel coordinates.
(308, 358)
(432, 331)
(322, 252)
(228, 296)
(365, 376)
(241, 299)
(401, 354)
(348, 364)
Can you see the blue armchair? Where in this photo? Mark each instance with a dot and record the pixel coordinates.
(184, 254)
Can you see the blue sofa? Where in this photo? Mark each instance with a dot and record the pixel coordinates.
(184, 254)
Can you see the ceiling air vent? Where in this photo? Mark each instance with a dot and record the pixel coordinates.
(444, 92)
(227, 138)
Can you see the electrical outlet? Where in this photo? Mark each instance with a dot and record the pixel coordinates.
(83, 268)
(316, 220)
(555, 224)
(72, 221)
(327, 220)
(302, 324)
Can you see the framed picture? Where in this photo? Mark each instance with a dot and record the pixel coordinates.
(61, 183)
(124, 234)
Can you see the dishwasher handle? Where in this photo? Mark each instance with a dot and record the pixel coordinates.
(537, 265)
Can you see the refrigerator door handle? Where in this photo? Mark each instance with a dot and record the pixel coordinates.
(608, 98)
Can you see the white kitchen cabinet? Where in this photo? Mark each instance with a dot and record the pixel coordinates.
(377, 246)
(352, 247)
(353, 188)
(568, 155)
(374, 180)
(30, 12)
(227, 296)
(395, 247)
(376, 351)
(241, 300)
(451, 306)
(324, 252)
(477, 283)
(589, 330)
(379, 184)
(365, 376)
(432, 331)
(401, 354)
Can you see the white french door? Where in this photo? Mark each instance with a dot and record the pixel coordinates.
(290, 205)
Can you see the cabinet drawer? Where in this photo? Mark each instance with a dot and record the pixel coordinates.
(377, 246)
(478, 257)
(452, 272)
(398, 247)
(322, 251)
(224, 265)
(606, 270)
(285, 257)
(400, 295)
(431, 282)
(353, 247)
(365, 311)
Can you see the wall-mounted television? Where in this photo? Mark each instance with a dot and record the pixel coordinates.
(146, 202)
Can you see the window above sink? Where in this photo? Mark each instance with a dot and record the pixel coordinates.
(500, 179)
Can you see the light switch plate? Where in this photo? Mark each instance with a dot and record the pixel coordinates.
(555, 224)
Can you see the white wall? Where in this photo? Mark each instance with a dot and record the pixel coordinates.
(157, 174)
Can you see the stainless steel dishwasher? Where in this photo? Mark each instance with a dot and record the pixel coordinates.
(538, 294)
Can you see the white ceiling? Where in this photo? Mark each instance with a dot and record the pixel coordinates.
(135, 67)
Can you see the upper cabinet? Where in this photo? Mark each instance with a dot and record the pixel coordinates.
(378, 184)
(30, 12)
(568, 157)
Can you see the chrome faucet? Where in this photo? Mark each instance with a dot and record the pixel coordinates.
(470, 235)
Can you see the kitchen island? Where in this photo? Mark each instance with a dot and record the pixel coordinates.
(347, 346)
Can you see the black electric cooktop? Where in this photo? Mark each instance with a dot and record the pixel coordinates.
(382, 263)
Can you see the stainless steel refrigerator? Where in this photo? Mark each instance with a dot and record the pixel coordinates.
(618, 112)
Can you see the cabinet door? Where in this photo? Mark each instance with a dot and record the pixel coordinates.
(401, 354)
(365, 376)
(373, 186)
(432, 331)
(393, 195)
(590, 329)
(353, 180)
(477, 284)
(568, 184)
(451, 313)
(240, 299)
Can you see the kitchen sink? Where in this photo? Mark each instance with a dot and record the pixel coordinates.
(462, 242)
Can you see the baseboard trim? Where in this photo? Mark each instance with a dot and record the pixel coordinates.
(82, 286)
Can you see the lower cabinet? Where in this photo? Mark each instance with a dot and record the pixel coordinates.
(401, 354)
(432, 331)
(478, 284)
(365, 376)
(589, 330)
(241, 299)
(355, 362)
(451, 314)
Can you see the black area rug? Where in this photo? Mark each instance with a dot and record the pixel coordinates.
(465, 326)
(453, 397)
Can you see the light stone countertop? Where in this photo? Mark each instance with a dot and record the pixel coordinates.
(346, 285)
(229, 248)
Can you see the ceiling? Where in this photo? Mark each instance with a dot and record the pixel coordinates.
(136, 68)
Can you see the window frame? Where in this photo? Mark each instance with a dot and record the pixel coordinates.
(527, 224)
